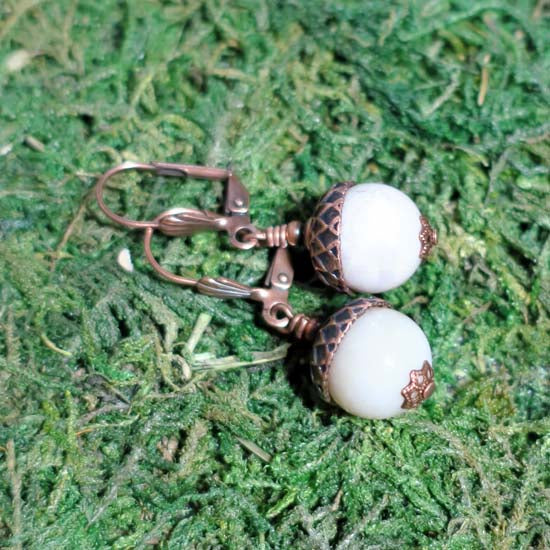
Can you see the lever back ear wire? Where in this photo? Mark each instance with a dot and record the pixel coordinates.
(276, 310)
(179, 222)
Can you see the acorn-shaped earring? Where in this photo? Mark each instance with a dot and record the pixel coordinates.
(369, 359)
(368, 237)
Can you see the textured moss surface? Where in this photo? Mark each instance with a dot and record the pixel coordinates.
(135, 413)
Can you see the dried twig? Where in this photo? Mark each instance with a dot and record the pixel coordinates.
(15, 479)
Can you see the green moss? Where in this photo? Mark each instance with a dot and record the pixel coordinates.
(130, 420)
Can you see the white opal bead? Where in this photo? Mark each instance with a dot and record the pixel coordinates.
(379, 237)
(373, 362)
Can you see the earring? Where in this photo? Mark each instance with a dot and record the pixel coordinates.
(368, 237)
(369, 359)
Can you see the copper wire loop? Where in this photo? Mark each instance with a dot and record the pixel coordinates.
(178, 279)
(99, 190)
(299, 325)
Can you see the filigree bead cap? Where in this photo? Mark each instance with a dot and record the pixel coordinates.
(372, 361)
(368, 237)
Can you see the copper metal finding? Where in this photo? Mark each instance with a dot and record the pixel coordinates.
(322, 237)
(280, 235)
(276, 310)
(331, 334)
(235, 221)
(180, 222)
(428, 237)
(420, 387)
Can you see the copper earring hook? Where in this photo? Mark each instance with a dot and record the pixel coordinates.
(99, 190)
(235, 221)
(178, 222)
(276, 310)
(187, 221)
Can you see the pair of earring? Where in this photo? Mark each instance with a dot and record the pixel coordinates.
(369, 359)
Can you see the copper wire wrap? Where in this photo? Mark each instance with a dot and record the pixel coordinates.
(303, 327)
(287, 234)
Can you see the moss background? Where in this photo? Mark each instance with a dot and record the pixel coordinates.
(136, 414)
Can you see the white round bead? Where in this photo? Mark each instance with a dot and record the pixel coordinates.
(373, 362)
(379, 237)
